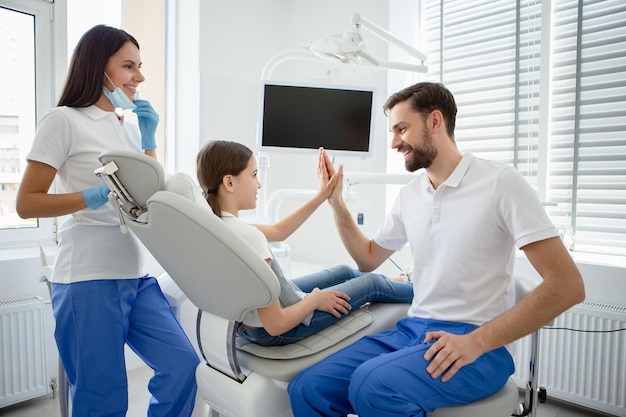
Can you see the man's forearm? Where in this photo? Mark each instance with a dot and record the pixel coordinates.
(562, 287)
(356, 243)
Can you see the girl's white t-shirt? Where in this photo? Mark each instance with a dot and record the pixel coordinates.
(257, 240)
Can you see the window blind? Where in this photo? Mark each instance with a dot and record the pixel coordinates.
(488, 53)
(587, 162)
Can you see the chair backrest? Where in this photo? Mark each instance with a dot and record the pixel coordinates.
(182, 184)
(216, 269)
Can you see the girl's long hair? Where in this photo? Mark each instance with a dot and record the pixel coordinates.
(215, 160)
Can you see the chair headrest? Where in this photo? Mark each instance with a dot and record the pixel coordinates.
(182, 184)
(134, 176)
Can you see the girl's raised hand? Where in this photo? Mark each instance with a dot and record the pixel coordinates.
(329, 178)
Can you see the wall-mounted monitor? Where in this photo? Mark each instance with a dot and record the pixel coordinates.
(304, 117)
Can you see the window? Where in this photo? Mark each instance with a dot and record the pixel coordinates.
(587, 161)
(545, 90)
(24, 29)
(35, 52)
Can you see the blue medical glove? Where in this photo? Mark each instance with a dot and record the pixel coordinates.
(148, 119)
(96, 197)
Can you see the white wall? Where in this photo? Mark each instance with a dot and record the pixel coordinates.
(237, 39)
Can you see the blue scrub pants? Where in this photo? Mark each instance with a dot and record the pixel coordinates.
(361, 287)
(385, 375)
(95, 319)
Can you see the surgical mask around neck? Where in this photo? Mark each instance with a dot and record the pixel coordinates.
(117, 97)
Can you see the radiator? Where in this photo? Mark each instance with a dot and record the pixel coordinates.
(22, 350)
(587, 369)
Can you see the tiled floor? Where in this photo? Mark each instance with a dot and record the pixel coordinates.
(138, 380)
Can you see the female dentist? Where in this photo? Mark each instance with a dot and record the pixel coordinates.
(102, 296)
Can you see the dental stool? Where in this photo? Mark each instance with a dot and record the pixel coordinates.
(225, 279)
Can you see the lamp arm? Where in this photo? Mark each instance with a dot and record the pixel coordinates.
(278, 59)
(392, 65)
(369, 58)
(403, 67)
(382, 33)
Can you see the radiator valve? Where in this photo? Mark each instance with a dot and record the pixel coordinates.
(543, 395)
(53, 386)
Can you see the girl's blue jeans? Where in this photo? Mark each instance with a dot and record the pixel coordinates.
(361, 288)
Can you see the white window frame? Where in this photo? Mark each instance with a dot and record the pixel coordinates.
(45, 63)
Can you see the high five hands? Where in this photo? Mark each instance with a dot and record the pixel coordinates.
(331, 180)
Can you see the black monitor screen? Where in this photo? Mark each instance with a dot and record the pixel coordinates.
(298, 117)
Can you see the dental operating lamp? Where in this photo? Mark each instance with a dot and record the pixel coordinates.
(350, 48)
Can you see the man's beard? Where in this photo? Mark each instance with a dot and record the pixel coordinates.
(422, 157)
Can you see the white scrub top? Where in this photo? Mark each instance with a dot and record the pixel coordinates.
(91, 245)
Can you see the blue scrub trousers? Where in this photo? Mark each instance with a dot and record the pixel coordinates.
(95, 319)
(385, 375)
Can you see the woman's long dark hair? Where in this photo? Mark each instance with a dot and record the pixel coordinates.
(84, 82)
(215, 160)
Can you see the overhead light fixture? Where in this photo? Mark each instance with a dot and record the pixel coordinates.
(350, 48)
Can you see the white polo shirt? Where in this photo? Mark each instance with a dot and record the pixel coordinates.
(463, 236)
(91, 245)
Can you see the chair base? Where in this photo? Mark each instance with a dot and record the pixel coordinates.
(264, 391)
(257, 396)
(500, 404)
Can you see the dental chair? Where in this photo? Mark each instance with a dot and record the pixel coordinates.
(225, 279)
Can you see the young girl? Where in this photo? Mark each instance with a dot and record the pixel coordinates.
(227, 173)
